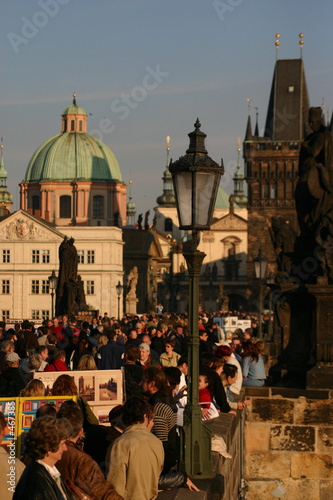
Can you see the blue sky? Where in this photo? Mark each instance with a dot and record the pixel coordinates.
(209, 56)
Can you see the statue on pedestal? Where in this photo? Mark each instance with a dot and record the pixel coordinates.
(313, 197)
(70, 297)
(131, 298)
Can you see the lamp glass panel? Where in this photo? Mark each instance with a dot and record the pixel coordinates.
(257, 268)
(263, 267)
(183, 182)
(204, 191)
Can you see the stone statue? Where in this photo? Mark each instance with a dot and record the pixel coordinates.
(313, 197)
(283, 237)
(146, 220)
(140, 219)
(70, 295)
(132, 280)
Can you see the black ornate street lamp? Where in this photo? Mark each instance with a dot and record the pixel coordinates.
(260, 266)
(119, 289)
(196, 179)
(53, 280)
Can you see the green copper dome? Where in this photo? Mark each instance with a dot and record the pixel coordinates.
(222, 199)
(74, 109)
(73, 156)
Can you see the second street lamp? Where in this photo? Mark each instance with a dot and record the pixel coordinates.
(196, 179)
(53, 281)
(119, 289)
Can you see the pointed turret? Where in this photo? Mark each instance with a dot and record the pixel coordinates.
(130, 208)
(168, 197)
(6, 199)
(256, 131)
(248, 133)
(240, 198)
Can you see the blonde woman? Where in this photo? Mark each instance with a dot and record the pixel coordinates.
(35, 388)
(87, 362)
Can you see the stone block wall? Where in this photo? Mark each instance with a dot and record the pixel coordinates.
(289, 437)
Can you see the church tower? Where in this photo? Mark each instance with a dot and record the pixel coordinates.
(6, 199)
(240, 197)
(130, 208)
(271, 158)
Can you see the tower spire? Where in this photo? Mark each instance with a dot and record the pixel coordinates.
(240, 198)
(248, 133)
(130, 207)
(1, 159)
(256, 131)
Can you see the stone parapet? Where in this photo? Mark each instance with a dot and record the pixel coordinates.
(289, 438)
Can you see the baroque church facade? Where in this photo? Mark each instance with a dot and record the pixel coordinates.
(72, 187)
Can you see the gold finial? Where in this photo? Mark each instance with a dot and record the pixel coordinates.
(1, 143)
(168, 143)
(130, 181)
(249, 104)
(74, 97)
(238, 145)
(301, 43)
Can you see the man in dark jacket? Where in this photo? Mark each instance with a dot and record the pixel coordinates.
(110, 356)
(28, 340)
(12, 380)
(76, 465)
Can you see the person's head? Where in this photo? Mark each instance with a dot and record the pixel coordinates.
(217, 365)
(138, 328)
(224, 352)
(46, 439)
(315, 118)
(64, 385)
(8, 346)
(144, 352)
(52, 339)
(203, 335)
(34, 388)
(248, 333)
(43, 351)
(35, 362)
(169, 346)
(152, 330)
(230, 374)
(86, 362)
(85, 326)
(172, 376)
(204, 382)
(236, 341)
(133, 334)
(135, 411)
(72, 412)
(48, 409)
(159, 332)
(179, 330)
(12, 360)
(259, 347)
(50, 323)
(102, 340)
(64, 319)
(55, 322)
(115, 414)
(132, 353)
(182, 365)
(153, 380)
(206, 359)
(94, 321)
(146, 340)
(61, 356)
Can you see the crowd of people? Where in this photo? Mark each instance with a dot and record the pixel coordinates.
(68, 452)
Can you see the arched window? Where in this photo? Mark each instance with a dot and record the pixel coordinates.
(72, 125)
(35, 202)
(65, 207)
(168, 225)
(98, 207)
(273, 191)
(80, 125)
(266, 191)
